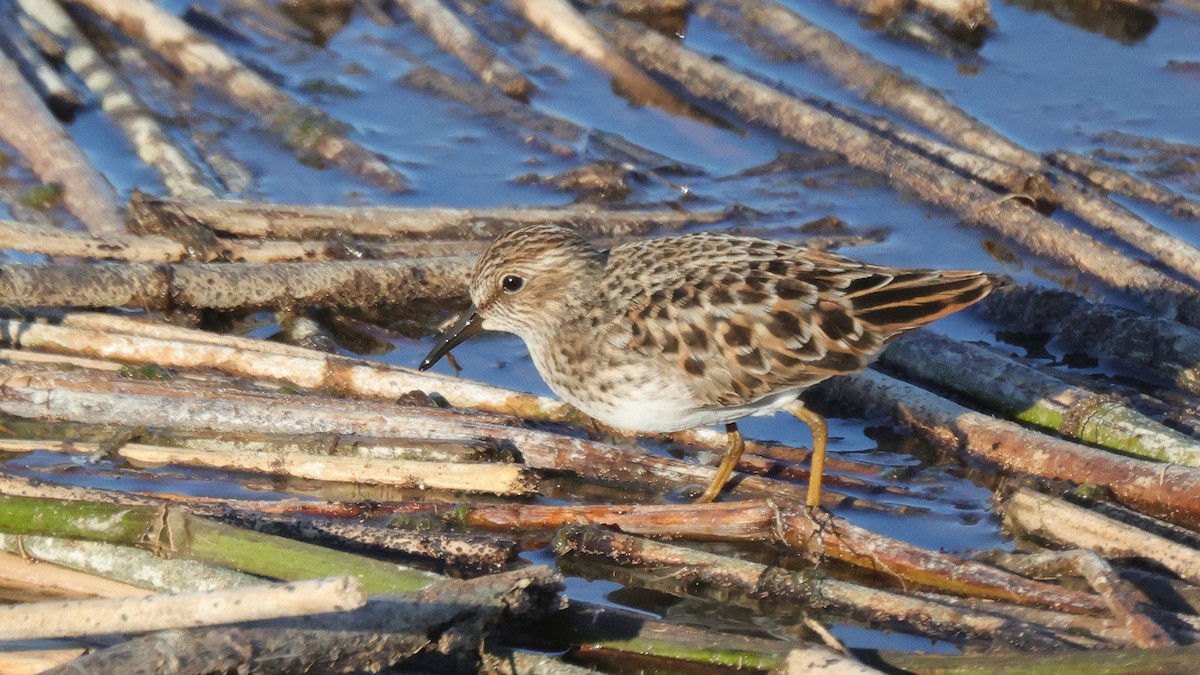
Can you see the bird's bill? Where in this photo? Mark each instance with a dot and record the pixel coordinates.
(468, 326)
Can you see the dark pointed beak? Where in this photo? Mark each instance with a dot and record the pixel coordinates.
(468, 325)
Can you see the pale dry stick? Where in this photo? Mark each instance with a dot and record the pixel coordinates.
(1054, 519)
(372, 638)
(28, 126)
(153, 145)
(1105, 582)
(1114, 180)
(293, 221)
(19, 46)
(563, 24)
(363, 284)
(874, 81)
(153, 248)
(160, 612)
(1035, 397)
(308, 131)
(1168, 491)
(135, 248)
(476, 477)
(457, 38)
(128, 566)
(907, 170)
(20, 570)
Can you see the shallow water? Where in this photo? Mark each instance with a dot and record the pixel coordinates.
(1043, 82)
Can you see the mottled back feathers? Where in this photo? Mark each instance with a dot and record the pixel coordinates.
(715, 320)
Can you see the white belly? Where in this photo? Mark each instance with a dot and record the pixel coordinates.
(662, 413)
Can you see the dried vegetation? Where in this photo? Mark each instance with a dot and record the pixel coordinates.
(398, 502)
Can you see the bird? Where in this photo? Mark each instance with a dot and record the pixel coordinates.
(679, 332)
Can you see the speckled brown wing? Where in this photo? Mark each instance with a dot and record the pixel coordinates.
(739, 318)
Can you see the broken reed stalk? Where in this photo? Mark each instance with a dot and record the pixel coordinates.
(748, 520)
(372, 638)
(824, 534)
(126, 565)
(464, 551)
(563, 24)
(153, 248)
(1168, 491)
(16, 571)
(234, 175)
(310, 132)
(145, 614)
(907, 170)
(1114, 180)
(1118, 593)
(32, 130)
(1053, 519)
(1034, 397)
(362, 284)
(171, 532)
(457, 38)
(478, 477)
(755, 580)
(1163, 347)
(289, 221)
(154, 146)
(875, 82)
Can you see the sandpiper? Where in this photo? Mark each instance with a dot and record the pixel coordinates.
(675, 333)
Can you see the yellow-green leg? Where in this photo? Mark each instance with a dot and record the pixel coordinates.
(733, 453)
(820, 434)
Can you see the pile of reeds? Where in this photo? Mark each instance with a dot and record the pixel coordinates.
(416, 559)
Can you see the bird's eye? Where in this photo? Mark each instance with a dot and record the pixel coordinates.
(512, 283)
